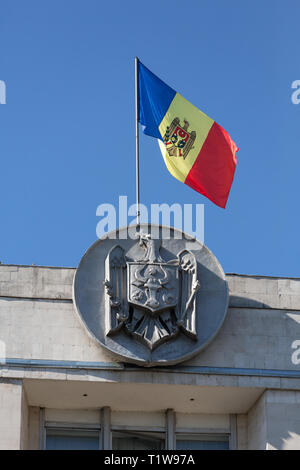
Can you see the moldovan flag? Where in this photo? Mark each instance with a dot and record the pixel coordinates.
(196, 150)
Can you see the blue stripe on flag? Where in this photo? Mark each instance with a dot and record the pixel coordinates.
(155, 98)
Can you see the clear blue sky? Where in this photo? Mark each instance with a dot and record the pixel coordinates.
(67, 135)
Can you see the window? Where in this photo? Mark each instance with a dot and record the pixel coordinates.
(67, 439)
(132, 430)
(138, 440)
(201, 442)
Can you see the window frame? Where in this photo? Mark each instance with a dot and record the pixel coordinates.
(105, 429)
(139, 429)
(202, 435)
(69, 426)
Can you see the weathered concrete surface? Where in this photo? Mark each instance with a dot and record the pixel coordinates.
(274, 421)
(39, 329)
(262, 292)
(38, 282)
(13, 415)
(33, 428)
(242, 431)
(254, 338)
(257, 425)
(38, 321)
(51, 330)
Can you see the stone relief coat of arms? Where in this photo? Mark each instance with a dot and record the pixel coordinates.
(150, 299)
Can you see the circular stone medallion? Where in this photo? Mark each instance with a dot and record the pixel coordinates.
(153, 298)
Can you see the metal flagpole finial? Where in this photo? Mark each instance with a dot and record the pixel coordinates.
(137, 162)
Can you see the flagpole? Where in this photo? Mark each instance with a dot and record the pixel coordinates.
(137, 150)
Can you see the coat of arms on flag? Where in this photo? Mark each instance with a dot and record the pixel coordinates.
(178, 140)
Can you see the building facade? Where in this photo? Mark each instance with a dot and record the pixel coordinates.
(59, 389)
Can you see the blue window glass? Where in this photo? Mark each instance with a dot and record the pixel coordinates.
(134, 440)
(198, 442)
(72, 440)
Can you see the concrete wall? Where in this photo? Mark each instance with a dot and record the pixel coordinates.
(13, 415)
(38, 321)
(283, 420)
(242, 432)
(36, 282)
(33, 427)
(24, 438)
(274, 421)
(257, 425)
(249, 338)
(253, 353)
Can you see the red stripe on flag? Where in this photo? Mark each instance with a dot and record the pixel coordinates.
(213, 171)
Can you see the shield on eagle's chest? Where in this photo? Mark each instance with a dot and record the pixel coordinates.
(153, 286)
(180, 138)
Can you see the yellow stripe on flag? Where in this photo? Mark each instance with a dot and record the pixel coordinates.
(198, 123)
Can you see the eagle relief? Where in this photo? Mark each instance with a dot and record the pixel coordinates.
(148, 298)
